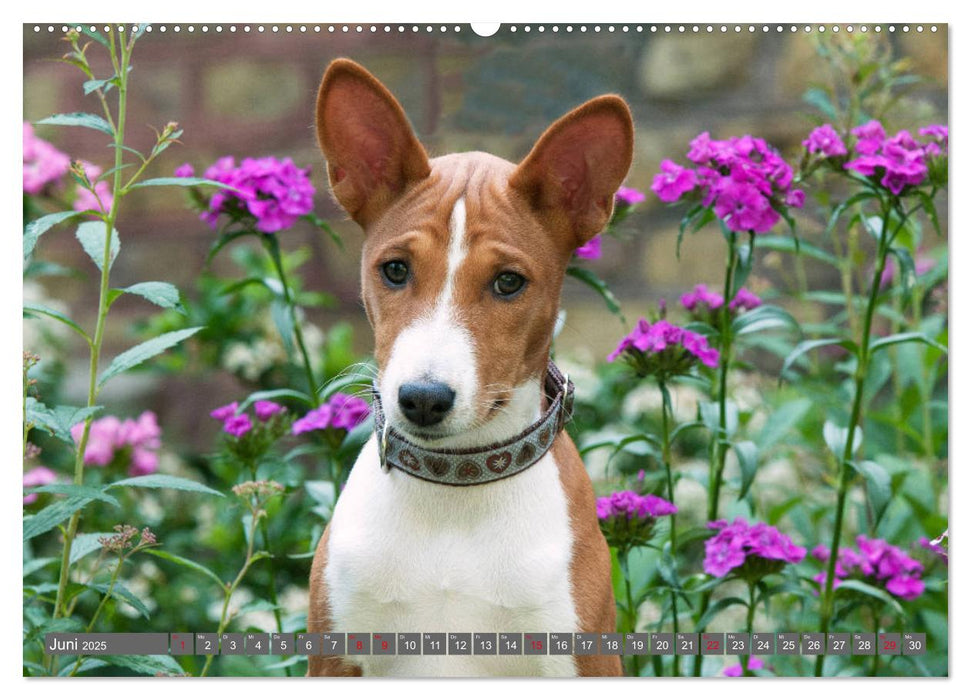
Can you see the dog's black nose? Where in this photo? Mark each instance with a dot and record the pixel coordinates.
(425, 403)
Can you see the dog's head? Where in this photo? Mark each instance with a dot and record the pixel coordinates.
(464, 255)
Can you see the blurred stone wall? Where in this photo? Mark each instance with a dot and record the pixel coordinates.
(252, 94)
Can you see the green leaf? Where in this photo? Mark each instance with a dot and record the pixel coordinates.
(120, 592)
(91, 234)
(898, 338)
(283, 320)
(748, 462)
(710, 412)
(871, 591)
(782, 420)
(144, 351)
(161, 294)
(165, 481)
(878, 489)
(817, 97)
(93, 493)
(270, 394)
(788, 244)
(88, 664)
(34, 309)
(52, 516)
(763, 318)
(149, 665)
(599, 286)
(35, 565)
(58, 421)
(928, 204)
(908, 270)
(181, 182)
(717, 607)
(85, 543)
(187, 563)
(835, 438)
(38, 227)
(807, 345)
(89, 121)
(92, 85)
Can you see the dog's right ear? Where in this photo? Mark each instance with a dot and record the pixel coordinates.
(372, 153)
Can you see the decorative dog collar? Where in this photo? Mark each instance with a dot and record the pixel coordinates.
(478, 465)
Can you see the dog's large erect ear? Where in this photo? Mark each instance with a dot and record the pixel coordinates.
(577, 165)
(372, 153)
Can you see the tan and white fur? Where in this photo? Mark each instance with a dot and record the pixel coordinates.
(522, 554)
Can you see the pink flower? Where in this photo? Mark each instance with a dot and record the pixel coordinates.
(224, 412)
(238, 426)
(43, 164)
(185, 170)
(759, 547)
(869, 137)
(589, 250)
(664, 349)
(267, 409)
(38, 476)
(673, 181)
(341, 411)
(99, 200)
(628, 196)
(877, 562)
(825, 141)
(136, 441)
(754, 664)
(745, 300)
(701, 296)
(276, 193)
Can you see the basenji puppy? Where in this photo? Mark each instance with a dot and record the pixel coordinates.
(469, 510)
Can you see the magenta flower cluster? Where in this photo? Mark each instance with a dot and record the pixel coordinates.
(135, 443)
(663, 348)
(43, 164)
(701, 300)
(238, 424)
(589, 250)
(735, 670)
(275, 192)
(630, 504)
(743, 179)
(757, 549)
(628, 197)
(876, 560)
(627, 518)
(342, 412)
(38, 476)
(898, 161)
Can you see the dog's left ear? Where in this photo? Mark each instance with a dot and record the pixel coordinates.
(577, 165)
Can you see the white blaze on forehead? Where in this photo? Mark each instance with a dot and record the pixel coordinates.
(437, 346)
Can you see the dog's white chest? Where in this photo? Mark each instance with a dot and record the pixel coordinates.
(405, 555)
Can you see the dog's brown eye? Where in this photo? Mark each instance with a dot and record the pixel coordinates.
(508, 284)
(395, 273)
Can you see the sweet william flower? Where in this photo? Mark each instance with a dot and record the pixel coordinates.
(267, 409)
(627, 518)
(876, 562)
(238, 425)
(628, 196)
(663, 349)
(274, 193)
(735, 671)
(589, 250)
(132, 444)
(342, 412)
(825, 141)
(673, 181)
(751, 551)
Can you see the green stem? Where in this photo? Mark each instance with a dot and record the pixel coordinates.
(224, 617)
(110, 219)
(622, 553)
(748, 628)
(97, 612)
(666, 458)
(272, 246)
(720, 449)
(856, 415)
